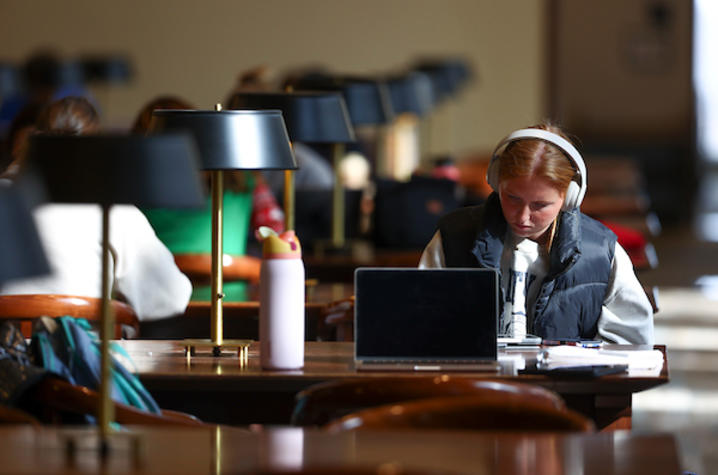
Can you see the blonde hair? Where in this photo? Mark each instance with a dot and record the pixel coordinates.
(537, 158)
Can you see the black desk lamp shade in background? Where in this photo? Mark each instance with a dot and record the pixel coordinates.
(310, 117)
(411, 93)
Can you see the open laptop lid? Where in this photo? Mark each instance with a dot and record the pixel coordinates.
(425, 314)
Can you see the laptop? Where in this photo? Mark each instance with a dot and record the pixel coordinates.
(425, 319)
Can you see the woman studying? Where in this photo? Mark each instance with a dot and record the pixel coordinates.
(563, 274)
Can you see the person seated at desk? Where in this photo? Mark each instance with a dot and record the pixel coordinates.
(247, 204)
(563, 274)
(143, 269)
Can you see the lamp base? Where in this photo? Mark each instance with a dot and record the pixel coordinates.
(241, 347)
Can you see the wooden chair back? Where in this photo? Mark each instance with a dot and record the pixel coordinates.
(54, 396)
(26, 308)
(11, 415)
(198, 267)
(492, 413)
(324, 402)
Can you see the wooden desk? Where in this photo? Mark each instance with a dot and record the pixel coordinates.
(220, 390)
(288, 450)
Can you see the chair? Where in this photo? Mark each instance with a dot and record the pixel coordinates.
(11, 415)
(198, 267)
(27, 308)
(321, 403)
(52, 397)
(490, 412)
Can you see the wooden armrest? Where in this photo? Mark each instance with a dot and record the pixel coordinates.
(62, 396)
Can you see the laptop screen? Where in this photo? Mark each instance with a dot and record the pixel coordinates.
(425, 313)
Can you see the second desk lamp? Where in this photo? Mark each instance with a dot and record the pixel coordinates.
(311, 117)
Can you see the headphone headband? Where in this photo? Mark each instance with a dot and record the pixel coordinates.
(573, 198)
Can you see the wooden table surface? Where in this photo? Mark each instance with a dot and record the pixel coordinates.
(288, 450)
(224, 391)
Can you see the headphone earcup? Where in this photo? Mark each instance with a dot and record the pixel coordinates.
(492, 174)
(572, 196)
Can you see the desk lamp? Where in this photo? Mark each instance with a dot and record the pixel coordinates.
(21, 253)
(311, 117)
(411, 93)
(228, 140)
(115, 169)
(367, 101)
(106, 69)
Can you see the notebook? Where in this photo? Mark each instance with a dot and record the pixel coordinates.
(425, 319)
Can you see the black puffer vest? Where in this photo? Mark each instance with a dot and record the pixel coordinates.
(569, 301)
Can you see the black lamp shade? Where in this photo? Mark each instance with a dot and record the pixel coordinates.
(106, 69)
(447, 75)
(158, 171)
(226, 140)
(412, 93)
(310, 117)
(367, 99)
(21, 253)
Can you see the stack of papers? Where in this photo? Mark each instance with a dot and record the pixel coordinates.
(564, 355)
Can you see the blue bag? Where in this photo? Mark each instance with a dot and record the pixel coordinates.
(72, 350)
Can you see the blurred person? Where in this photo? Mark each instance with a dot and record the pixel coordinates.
(563, 274)
(21, 129)
(143, 270)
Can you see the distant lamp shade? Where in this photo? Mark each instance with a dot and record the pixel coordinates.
(21, 253)
(232, 140)
(447, 75)
(111, 69)
(411, 93)
(158, 171)
(367, 99)
(310, 117)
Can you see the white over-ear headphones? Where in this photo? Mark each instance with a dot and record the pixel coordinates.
(576, 189)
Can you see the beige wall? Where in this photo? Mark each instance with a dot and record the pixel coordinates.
(619, 74)
(196, 48)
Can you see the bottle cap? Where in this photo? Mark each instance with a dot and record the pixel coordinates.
(279, 246)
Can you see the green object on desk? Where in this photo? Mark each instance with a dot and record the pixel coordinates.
(190, 232)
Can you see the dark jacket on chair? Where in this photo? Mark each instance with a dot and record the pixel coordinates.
(568, 304)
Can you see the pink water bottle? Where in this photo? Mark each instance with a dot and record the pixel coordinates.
(281, 301)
